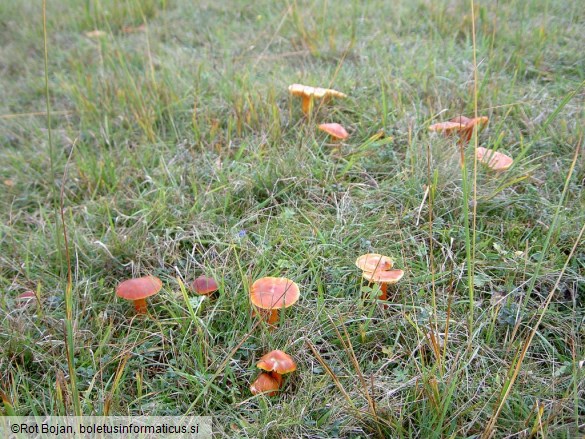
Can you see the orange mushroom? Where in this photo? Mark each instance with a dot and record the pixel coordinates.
(460, 119)
(383, 278)
(377, 268)
(138, 290)
(494, 159)
(447, 128)
(462, 125)
(277, 363)
(265, 383)
(204, 285)
(308, 94)
(374, 261)
(272, 294)
(335, 130)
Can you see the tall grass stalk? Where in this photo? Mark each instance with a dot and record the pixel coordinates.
(60, 218)
(431, 187)
(470, 235)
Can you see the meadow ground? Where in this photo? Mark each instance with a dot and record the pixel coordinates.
(175, 150)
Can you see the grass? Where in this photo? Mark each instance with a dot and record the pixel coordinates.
(173, 149)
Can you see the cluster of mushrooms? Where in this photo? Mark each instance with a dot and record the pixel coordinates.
(308, 97)
(464, 126)
(268, 295)
(460, 125)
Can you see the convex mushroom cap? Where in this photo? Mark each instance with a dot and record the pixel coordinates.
(274, 293)
(138, 289)
(277, 361)
(308, 93)
(275, 364)
(204, 285)
(265, 383)
(335, 130)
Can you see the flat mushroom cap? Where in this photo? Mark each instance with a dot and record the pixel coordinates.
(494, 159)
(384, 276)
(300, 90)
(373, 261)
(315, 92)
(334, 130)
(204, 285)
(460, 120)
(447, 127)
(265, 383)
(274, 292)
(139, 288)
(277, 361)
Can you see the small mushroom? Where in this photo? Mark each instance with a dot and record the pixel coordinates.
(383, 278)
(377, 268)
(308, 94)
(265, 383)
(138, 290)
(335, 130)
(374, 261)
(494, 159)
(277, 363)
(204, 285)
(461, 125)
(272, 294)
(447, 128)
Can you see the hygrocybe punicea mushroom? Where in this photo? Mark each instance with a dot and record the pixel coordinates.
(138, 289)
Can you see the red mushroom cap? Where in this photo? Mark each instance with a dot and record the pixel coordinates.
(204, 285)
(139, 288)
(274, 292)
(265, 383)
(277, 361)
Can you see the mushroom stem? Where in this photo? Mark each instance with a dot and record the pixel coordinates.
(270, 315)
(273, 316)
(307, 104)
(384, 290)
(140, 306)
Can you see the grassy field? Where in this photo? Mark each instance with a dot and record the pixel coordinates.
(173, 148)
